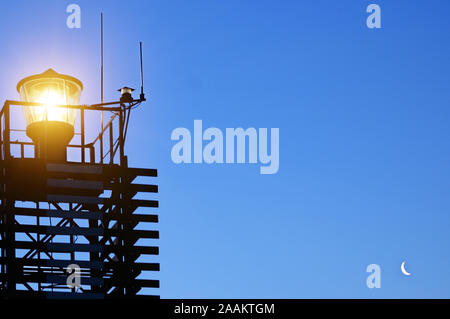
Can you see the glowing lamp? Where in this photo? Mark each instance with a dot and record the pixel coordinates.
(50, 126)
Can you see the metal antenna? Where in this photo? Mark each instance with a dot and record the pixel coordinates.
(101, 58)
(142, 97)
(101, 83)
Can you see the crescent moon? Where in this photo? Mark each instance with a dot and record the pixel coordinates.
(402, 267)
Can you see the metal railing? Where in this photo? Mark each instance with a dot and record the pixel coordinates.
(113, 144)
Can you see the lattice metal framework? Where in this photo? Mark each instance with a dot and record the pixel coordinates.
(96, 215)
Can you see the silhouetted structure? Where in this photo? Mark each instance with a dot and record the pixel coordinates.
(55, 212)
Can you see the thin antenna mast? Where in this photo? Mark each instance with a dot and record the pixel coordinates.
(142, 96)
(101, 84)
(101, 53)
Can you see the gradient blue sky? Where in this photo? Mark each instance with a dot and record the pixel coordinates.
(364, 135)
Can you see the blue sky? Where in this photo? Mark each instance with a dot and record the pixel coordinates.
(363, 116)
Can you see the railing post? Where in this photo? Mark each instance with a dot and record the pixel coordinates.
(7, 133)
(92, 153)
(83, 155)
(111, 144)
(121, 146)
(101, 143)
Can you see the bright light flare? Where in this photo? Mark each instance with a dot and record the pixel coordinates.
(50, 88)
(50, 112)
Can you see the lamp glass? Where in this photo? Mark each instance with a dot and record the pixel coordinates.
(50, 91)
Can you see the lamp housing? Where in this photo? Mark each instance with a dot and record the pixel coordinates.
(126, 96)
(50, 126)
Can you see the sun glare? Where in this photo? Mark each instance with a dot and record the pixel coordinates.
(50, 98)
(51, 89)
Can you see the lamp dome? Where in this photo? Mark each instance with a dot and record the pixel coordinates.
(50, 126)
